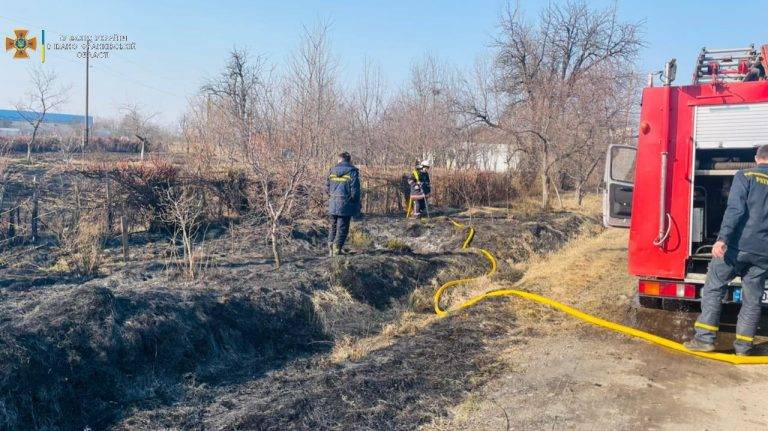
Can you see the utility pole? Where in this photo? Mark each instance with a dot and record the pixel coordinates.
(86, 134)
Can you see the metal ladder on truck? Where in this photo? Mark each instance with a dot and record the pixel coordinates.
(729, 65)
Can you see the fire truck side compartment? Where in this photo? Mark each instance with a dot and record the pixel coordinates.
(698, 177)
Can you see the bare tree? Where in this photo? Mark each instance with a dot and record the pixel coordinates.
(365, 112)
(540, 69)
(233, 101)
(208, 131)
(422, 122)
(278, 125)
(183, 210)
(253, 110)
(601, 114)
(313, 94)
(44, 96)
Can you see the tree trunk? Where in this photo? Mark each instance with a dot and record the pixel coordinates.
(188, 251)
(275, 246)
(544, 179)
(557, 193)
(579, 193)
(32, 141)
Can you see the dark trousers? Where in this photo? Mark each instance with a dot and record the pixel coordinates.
(752, 269)
(339, 229)
(419, 207)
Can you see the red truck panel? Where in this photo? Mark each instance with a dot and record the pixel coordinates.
(668, 111)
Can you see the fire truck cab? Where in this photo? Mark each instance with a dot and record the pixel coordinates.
(671, 189)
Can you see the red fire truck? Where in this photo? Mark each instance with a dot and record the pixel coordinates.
(671, 189)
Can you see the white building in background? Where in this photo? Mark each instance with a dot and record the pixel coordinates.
(484, 157)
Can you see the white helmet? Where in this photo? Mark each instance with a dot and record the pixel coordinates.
(425, 163)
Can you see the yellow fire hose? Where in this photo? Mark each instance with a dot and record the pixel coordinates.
(725, 357)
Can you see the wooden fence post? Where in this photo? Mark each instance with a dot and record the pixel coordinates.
(386, 199)
(11, 224)
(35, 212)
(124, 234)
(78, 207)
(110, 215)
(2, 195)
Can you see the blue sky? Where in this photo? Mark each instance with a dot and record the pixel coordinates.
(180, 43)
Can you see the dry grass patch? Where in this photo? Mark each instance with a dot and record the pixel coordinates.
(359, 239)
(576, 267)
(589, 273)
(350, 349)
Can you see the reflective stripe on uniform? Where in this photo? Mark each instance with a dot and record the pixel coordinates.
(416, 175)
(705, 326)
(340, 179)
(756, 174)
(759, 176)
(744, 338)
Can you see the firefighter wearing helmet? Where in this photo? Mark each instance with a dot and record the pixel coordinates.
(419, 188)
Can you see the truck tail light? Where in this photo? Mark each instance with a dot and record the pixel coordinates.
(666, 288)
(649, 287)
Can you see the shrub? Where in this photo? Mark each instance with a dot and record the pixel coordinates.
(397, 245)
(83, 245)
(359, 239)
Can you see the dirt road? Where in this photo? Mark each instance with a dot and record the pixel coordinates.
(576, 376)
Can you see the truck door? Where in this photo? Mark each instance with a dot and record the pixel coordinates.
(619, 185)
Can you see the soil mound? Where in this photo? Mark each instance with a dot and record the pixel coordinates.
(72, 356)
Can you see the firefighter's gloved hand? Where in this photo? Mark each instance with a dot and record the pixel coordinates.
(718, 250)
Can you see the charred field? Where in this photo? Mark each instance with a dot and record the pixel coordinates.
(322, 343)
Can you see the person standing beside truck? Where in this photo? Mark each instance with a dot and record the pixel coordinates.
(343, 185)
(420, 188)
(741, 249)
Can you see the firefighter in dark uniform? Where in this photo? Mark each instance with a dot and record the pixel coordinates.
(420, 188)
(343, 186)
(741, 249)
